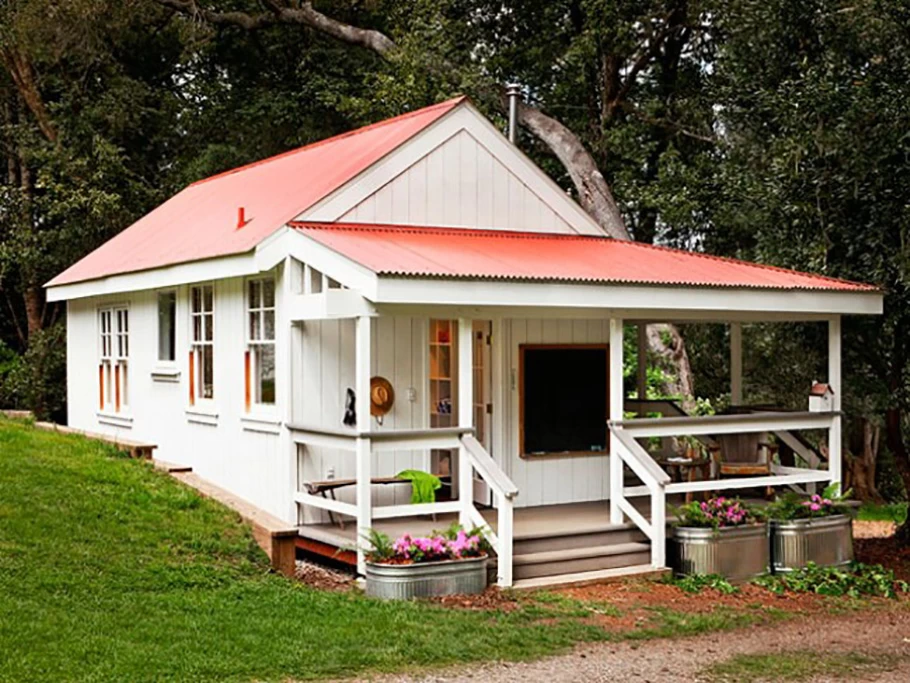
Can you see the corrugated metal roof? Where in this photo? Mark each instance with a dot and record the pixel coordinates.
(200, 222)
(458, 253)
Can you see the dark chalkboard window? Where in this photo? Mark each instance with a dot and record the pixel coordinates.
(563, 398)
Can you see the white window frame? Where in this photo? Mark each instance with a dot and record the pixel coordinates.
(113, 358)
(166, 362)
(201, 338)
(257, 341)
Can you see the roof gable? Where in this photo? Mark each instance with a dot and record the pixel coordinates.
(200, 222)
(462, 172)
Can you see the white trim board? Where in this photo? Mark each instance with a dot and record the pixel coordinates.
(647, 301)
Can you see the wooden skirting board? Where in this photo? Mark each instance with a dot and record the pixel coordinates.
(136, 449)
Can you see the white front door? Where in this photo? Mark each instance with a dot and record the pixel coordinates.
(482, 402)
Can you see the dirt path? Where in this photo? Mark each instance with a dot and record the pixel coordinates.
(882, 632)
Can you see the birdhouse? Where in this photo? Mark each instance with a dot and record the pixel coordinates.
(821, 398)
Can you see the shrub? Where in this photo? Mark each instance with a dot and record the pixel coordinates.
(856, 580)
(696, 583)
(36, 380)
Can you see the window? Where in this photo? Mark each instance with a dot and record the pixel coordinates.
(563, 399)
(202, 351)
(259, 362)
(167, 327)
(114, 350)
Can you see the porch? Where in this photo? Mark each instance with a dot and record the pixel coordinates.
(513, 457)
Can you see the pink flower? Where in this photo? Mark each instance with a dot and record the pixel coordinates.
(815, 507)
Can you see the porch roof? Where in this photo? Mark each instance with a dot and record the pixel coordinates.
(467, 254)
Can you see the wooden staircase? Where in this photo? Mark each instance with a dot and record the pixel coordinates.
(579, 556)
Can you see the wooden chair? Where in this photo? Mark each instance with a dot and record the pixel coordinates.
(744, 455)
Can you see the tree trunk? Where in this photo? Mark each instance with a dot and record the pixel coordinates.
(895, 439)
(666, 341)
(861, 458)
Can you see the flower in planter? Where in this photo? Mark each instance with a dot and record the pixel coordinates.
(452, 544)
(716, 513)
(790, 506)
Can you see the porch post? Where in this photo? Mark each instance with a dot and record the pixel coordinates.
(642, 368)
(616, 412)
(465, 417)
(362, 447)
(834, 381)
(736, 363)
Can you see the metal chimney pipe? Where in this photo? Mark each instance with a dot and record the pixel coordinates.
(513, 92)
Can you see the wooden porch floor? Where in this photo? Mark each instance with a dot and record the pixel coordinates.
(529, 522)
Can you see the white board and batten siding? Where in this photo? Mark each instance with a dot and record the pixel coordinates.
(547, 480)
(219, 441)
(323, 369)
(459, 184)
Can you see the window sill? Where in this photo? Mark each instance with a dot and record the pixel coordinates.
(166, 374)
(114, 419)
(266, 424)
(202, 416)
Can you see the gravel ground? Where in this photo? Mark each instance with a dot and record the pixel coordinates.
(679, 660)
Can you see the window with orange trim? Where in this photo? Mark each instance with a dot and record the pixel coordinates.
(114, 352)
(259, 361)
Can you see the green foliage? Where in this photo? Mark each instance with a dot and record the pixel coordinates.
(379, 545)
(36, 380)
(856, 581)
(717, 513)
(790, 505)
(696, 583)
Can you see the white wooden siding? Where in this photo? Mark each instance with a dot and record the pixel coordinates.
(548, 481)
(324, 369)
(231, 454)
(459, 184)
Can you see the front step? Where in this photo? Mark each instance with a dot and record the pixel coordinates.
(578, 560)
(607, 534)
(642, 571)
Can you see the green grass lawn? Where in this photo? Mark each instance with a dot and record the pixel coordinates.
(889, 512)
(113, 571)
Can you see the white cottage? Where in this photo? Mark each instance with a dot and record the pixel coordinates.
(232, 324)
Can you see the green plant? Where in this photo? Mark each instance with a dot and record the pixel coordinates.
(379, 545)
(716, 513)
(854, 581)
(696, 583)
(789, 506)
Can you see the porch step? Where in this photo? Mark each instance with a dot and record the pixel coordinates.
(644, 571)
(576, 560)
(607, 534)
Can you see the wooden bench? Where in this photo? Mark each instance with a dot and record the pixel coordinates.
(327, 489)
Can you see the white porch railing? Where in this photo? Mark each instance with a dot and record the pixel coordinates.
(657, 484)
(473, 458)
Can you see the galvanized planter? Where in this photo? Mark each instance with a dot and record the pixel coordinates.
(737, 553)
(426, 579)
(826, 541)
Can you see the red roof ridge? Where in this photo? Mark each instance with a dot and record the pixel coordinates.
(515, 234)
(450, 103)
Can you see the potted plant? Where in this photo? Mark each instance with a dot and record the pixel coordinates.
(444, 563)
(817, 529)
(720, 536)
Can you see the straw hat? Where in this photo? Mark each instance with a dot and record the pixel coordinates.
(382, 396)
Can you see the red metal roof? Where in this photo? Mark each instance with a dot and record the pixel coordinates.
(200, 222)
(499, 255)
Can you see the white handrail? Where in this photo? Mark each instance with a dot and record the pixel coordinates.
(483, 463)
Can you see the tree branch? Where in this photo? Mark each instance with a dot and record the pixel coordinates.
(23, 75)
(594, 193)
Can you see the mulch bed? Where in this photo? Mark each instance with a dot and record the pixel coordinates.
(886, 552)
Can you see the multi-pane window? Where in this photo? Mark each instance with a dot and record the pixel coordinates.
(114, 351)
(167, 326)
(202, 352)
(260, 357)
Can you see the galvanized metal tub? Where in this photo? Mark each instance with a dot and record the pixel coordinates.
(737, 553)
(426, 579)
(826, 541)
